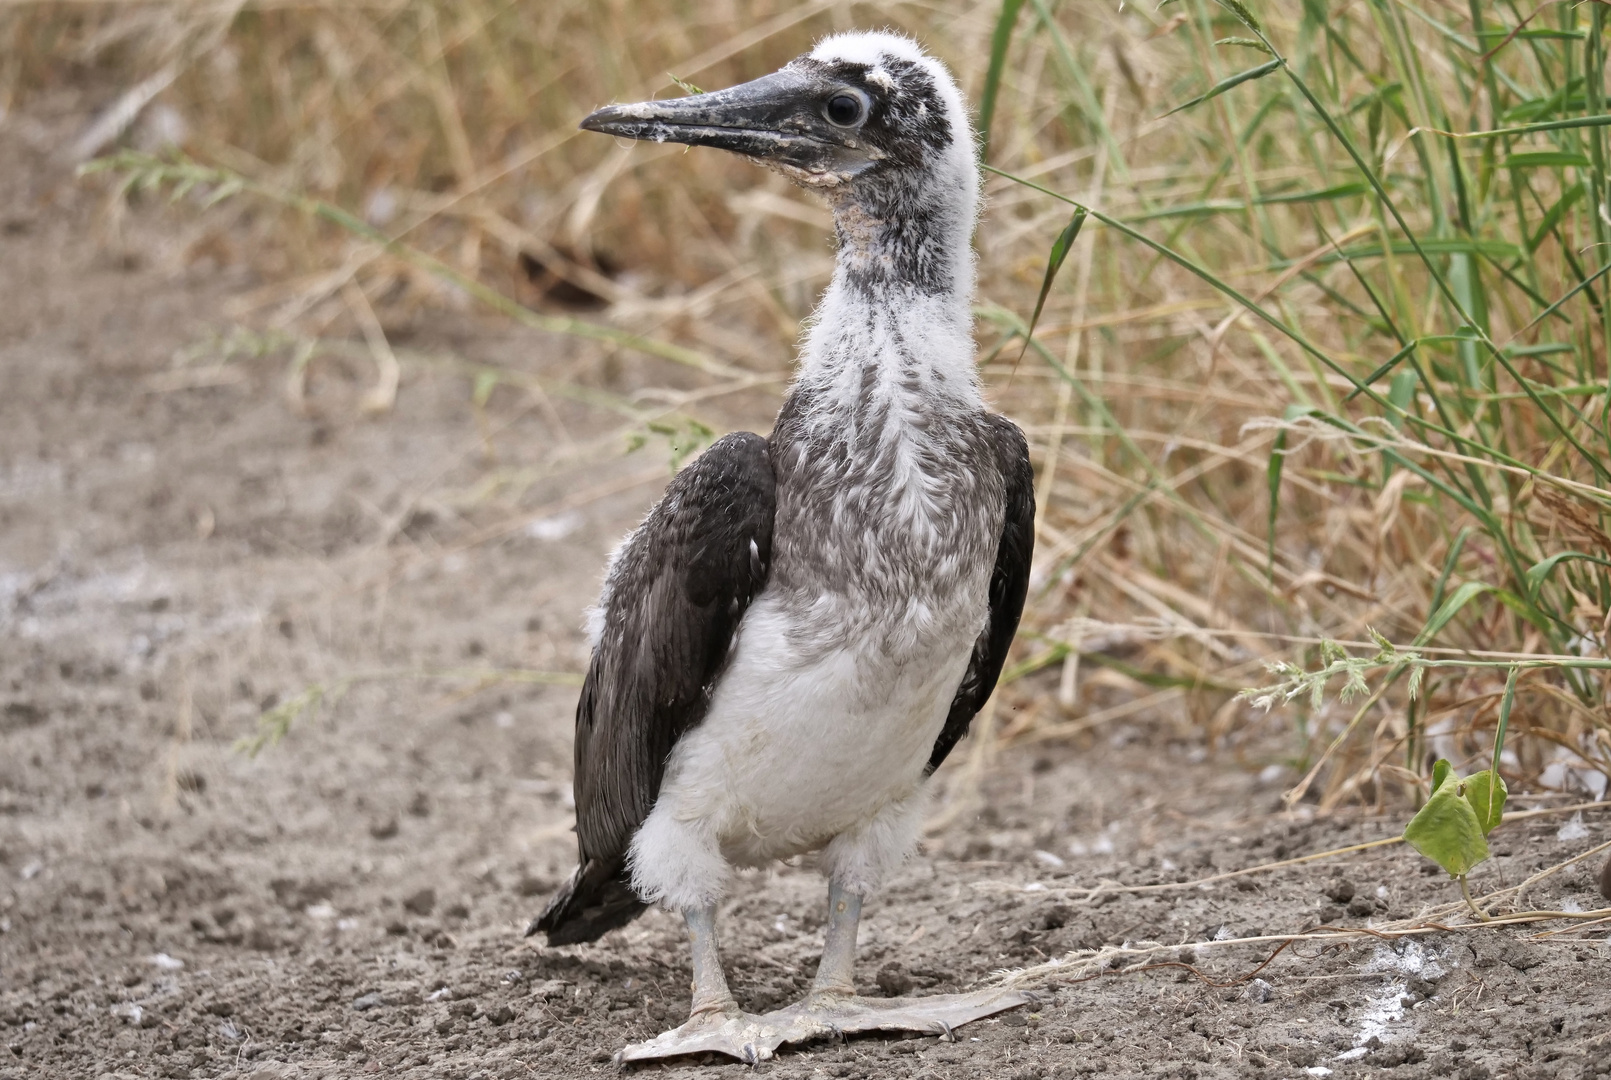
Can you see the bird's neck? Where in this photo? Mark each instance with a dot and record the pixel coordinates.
(895, 326)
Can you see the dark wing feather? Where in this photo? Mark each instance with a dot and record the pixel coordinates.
(1009, 584)
(672, 602)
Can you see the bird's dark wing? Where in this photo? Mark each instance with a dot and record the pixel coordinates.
(672, 601)
(1009, 583)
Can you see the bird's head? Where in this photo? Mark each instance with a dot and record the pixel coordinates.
(853, 111)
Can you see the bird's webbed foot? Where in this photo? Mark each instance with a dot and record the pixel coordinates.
(740, 1035)
(754, 1039)
(936, 1014)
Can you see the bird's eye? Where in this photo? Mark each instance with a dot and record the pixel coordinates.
(846, 110)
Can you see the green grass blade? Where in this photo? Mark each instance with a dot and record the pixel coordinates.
(1505, 704)
(1272, 475)
(1541, 570)
(1391, 363)
(1569, 124)
(1446, 430)
(1467, 592)
(1000, 40)
(1579, 287)
(1230, 82)
(1054, 263)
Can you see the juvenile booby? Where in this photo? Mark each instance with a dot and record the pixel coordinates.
(797, 635)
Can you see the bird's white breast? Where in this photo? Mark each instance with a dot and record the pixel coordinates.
(800, 745)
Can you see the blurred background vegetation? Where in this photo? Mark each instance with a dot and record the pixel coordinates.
(1328, 357)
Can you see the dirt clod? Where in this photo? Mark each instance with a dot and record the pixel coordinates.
(893, 981)
(422, 902)
(1258, 992)
(533, 886)
(20, 714)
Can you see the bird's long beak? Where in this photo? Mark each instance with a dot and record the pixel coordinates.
(776, 119)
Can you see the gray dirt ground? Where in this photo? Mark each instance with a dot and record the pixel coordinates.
(180, 549)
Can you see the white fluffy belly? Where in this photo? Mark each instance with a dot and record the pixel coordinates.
(796, 750)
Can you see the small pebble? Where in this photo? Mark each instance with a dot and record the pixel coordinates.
(365, 1002)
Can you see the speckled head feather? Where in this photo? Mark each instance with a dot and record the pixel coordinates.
(927, 175)
(917, 100)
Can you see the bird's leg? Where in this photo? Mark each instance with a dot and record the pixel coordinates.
(715, 1022)
(832, 1007)
(711, 995)
(835, 972)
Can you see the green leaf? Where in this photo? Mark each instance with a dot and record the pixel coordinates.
(1545, 159)
(1441, 771)
(1505, 705)
(1272, 475)
(1387, 366)
(1451, 607)
(1543, 348)
(1486, 797)
(1054, 263)
(1434, 245)
(1552, 35)
(1401, 393)
(486, 381)
(1229, 83)
(1448, 832)
(1553, 215)
(1600, 120)
(1341, 191)
(999, 40)
(1542, 569)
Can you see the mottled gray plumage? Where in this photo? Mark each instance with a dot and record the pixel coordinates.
(681, 583)
(673, 597)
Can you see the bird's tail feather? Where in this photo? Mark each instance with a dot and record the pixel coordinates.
(598, 898)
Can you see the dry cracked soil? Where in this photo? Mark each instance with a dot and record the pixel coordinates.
(183, 549)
